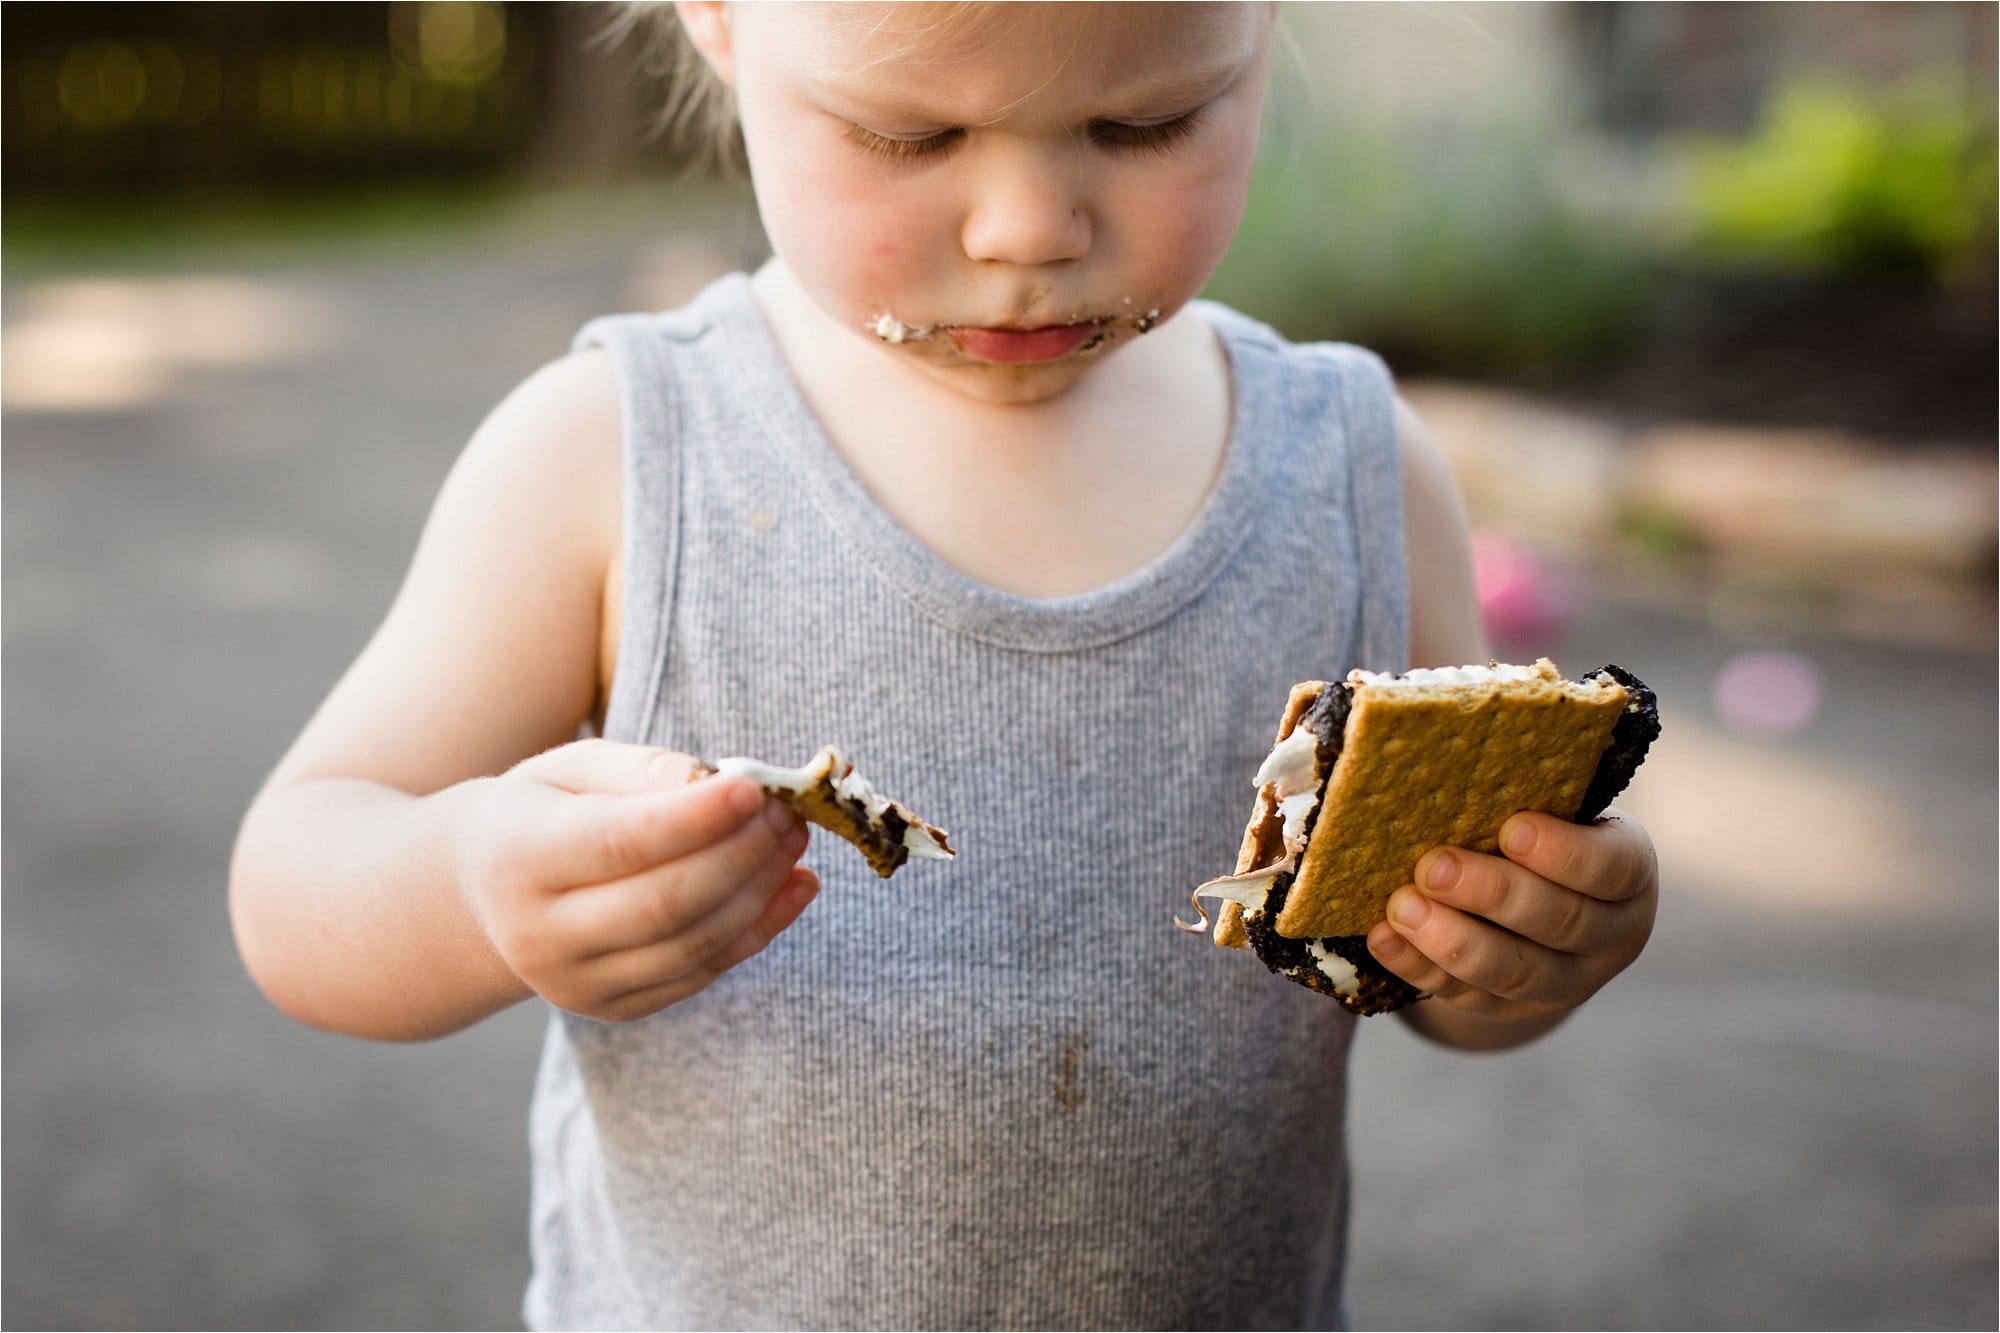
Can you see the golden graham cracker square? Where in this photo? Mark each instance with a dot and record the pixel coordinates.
(1422, 768)
(1257, 849)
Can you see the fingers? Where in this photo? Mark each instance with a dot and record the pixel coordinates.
(1471, 962)
(687, 894)
(608, 767)
(1535, 931)
(737, 931)
(797, 894)
(1513, 897)
(612, 886)
(631, 807)
(594, 839)
(1612, 859)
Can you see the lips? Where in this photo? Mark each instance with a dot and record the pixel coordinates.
(1021, 346)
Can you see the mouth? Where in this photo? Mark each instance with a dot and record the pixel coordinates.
(1015, 344)
(1012, 347)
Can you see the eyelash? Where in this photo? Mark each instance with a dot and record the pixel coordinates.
(1158, 140)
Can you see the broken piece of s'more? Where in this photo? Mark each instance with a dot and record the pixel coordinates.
(829, 793)
(1371, 772)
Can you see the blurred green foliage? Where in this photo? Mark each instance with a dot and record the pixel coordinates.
(1446, 248)
(1835, 181)
(1467, 247)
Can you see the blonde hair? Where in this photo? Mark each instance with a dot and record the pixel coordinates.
(698, 111)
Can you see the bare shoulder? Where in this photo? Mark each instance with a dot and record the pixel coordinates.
(1444, 606)
(490, 650)
(1427, 478)
(563, 420)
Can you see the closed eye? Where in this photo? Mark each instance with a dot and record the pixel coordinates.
(905, 150)
(1160, 138)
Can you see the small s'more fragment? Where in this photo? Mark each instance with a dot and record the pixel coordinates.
(892, 330)
(828, 792)
(1369, 773)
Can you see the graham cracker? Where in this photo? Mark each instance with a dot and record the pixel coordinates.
(814, 793)
(1262, 843)
(821, 806)
(1442, 765)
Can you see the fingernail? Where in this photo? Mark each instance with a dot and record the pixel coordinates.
(1387, 945)
(1518, 838)
(1443, 872)
(781, 817)
(744, 799)
(1411, 909)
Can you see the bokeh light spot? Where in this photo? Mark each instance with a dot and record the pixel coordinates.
(1770, 692)
(162, 79)
(453, 41)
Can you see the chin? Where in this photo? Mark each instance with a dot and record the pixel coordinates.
(1009, 385)
(1014, 389)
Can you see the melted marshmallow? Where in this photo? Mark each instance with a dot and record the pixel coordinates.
(1346, 980)
(1494, 673)
(847, 784)
(892, 330)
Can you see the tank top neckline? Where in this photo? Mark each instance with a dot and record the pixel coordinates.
(1117, 610)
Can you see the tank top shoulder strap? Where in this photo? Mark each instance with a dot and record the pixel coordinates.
(670, 373)
(1340, 399)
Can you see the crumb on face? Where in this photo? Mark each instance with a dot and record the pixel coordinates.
(892, 330)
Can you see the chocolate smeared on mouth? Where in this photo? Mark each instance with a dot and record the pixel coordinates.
(895, 332)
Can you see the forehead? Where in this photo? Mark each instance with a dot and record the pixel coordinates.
(997, 56)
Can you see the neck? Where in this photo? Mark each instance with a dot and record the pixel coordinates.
(1055, 496)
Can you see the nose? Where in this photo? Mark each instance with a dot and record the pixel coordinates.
(1029, 209)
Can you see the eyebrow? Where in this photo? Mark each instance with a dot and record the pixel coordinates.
(1178, 86)
(1175, 89)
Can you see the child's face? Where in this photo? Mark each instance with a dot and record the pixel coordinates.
(1017, 189)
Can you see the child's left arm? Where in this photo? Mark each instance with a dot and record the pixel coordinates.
(1506, 945)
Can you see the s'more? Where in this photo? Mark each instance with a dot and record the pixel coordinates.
(1369, 773)
(827, 791)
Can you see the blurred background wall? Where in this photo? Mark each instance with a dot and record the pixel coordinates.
(1701, 300)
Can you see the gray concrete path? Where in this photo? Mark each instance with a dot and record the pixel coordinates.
(1782, 1118)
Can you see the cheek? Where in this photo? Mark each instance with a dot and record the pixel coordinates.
(855, 241)
(1185, 243)
(1210, 191)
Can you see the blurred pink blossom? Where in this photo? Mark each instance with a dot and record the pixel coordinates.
(1525, 599)
(1769, 692)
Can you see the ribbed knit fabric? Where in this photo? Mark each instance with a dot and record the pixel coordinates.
(1005, 1091)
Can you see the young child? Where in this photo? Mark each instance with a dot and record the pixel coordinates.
(965, 481)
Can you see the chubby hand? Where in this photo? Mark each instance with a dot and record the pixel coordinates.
(1531, 934)
(613, 887)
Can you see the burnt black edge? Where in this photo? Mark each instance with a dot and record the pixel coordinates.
(1636, 730)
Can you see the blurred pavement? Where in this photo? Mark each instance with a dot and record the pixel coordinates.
(1783, 1117)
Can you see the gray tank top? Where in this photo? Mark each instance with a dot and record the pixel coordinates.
(1003, 1091)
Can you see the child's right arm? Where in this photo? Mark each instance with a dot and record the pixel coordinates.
(430, 850)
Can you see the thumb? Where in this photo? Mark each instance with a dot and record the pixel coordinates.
(608, 767)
